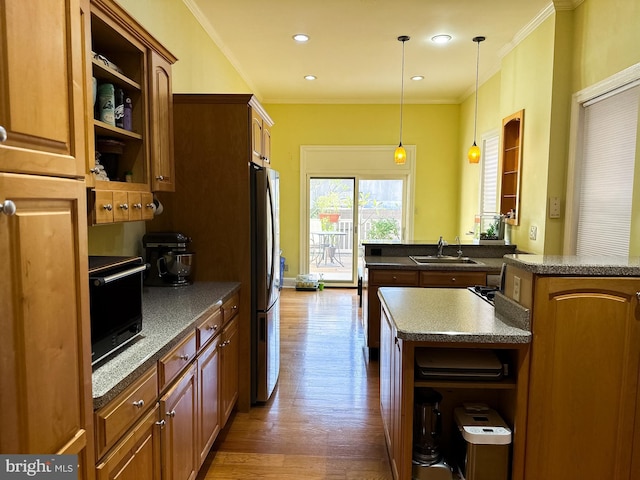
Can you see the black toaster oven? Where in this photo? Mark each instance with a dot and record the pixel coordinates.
(115, 291)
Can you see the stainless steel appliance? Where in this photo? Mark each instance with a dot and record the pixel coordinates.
(265, 289)
(115, 294)
(427, 460)
(170, 262)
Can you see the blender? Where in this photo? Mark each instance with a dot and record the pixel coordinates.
(427, 461)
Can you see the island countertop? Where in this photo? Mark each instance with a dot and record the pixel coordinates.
(169, 314)
(447, 315)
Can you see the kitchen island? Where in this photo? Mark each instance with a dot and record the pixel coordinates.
(414, 319)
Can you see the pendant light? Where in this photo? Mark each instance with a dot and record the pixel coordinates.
(474, 151)
(400, 155)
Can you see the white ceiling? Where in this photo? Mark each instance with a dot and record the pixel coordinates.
(354, 50)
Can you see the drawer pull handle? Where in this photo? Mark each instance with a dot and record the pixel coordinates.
(3, 135)
(137, 205)
(124, 206)
(171, 414)
(184, 357)
(8, 207)
(150, 205)
(638, 296)
(160, 177)
(161, 424)
(107, 207)
(212, 327)
(139, 404)
(453, 279)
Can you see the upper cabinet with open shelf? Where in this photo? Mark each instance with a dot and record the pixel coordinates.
(129, 73)
(511, 166)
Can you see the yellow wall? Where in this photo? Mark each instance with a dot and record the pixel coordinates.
(568, 52)
(432, 128)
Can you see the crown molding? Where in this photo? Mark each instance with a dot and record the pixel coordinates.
(567, 4)
(527, 30)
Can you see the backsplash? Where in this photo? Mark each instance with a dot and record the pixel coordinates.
(122, 239)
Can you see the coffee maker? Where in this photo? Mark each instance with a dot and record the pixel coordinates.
(427, 461)
(170, 263)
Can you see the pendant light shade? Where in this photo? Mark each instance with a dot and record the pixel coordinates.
(400, 155)
(474, 151)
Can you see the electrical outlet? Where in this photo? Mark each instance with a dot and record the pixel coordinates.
(286, 267)
(516, 288)
(533, 232)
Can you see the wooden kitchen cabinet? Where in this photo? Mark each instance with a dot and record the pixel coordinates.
(260, 135)
(125, 55)
(137, 455)
(209, 379)
(229, 369)
(42, 127)
(178, 408)
(409, 278)
(45, 348)
(585, 366)
(120, 206)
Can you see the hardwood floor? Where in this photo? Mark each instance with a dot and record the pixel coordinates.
(323, 421)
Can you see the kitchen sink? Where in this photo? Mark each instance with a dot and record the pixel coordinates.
(421, 260)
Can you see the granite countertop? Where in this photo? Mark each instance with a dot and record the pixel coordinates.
(448, 315)
(168, 315)
(491, 265)
(602, 266)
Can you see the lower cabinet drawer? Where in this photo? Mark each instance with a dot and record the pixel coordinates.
(176, 360)
(112, 420)
(393, 277)
(452, 279)
(230, 307)
(209, 325)
(137, 455)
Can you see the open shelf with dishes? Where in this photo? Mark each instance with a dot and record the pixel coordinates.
(511, 170)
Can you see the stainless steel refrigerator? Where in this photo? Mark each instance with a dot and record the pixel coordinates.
(266, 281)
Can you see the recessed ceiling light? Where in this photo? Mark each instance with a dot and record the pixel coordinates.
(417, 77)
(310, 77)
(301, 37)
(441, 38)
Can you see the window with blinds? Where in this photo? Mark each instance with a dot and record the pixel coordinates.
(606, 181)
(489, 182)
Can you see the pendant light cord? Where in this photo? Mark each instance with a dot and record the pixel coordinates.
(475, 122)
(403, 39)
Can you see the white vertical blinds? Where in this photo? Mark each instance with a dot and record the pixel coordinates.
(489, 187)
(606, 186)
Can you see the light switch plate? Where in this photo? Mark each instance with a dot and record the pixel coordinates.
(533, 232)
(516, 288)
(554, 207)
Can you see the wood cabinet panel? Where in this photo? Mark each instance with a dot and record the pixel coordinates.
(208, 398)
(112, 421)
(229, 369)
(45, 318)
(584, 378)
(176, 360)
(42, 113)
(137, 456)
(231, 307)
(161, 99)
(179, 439)
(452, 279)
(209, 326)
(404, 278)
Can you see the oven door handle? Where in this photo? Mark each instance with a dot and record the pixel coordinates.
(100, 281)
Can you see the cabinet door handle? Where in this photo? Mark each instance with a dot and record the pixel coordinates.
(108, 207)
(161, 424)
(638, 296)
(171, 414)
(3, 135)
(160, 177)
(184, 357)
(93, 170)
(8, 207)
(139, 403)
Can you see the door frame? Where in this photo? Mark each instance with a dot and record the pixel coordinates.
(375, 161)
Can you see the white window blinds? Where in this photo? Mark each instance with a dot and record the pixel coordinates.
(489, 187)
(606, 187)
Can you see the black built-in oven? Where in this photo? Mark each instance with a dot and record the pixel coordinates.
(115, 291)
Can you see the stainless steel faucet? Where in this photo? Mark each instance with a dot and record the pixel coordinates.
(441, 245)
(459, 252)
